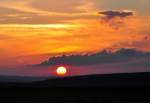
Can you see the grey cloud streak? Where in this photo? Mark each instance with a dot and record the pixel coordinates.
(114, 14)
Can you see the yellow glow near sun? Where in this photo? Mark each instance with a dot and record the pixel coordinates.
(61, 71)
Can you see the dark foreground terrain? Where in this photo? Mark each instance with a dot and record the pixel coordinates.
(114, 88)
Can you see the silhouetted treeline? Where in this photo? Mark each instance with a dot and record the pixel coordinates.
(100, 57)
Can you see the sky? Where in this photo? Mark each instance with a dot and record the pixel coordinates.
(32, 30)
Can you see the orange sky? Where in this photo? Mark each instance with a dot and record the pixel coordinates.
(37, 28)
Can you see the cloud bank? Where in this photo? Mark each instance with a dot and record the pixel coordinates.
(104, 57)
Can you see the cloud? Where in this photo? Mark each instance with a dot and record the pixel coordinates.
(115, 19)
(114, 14)
(50, 11)
(140, 44)
(54, 11)
(140, 6)
(104, 57)
(49, 7)
(5, 37)
(58, 6)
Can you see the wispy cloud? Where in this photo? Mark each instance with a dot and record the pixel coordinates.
(32, 11)
(49, 8)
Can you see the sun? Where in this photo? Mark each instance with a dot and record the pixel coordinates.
(61, 70)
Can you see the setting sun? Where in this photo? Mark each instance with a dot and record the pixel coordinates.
(61, 71)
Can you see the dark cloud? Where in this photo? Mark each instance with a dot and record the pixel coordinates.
(115, 19)
(141, 6)
(104, 57)
(114, 14)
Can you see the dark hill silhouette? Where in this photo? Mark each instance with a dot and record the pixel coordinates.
(122, 79)
(117, 79)
(22, 79)
(112, 88)
(105, 56)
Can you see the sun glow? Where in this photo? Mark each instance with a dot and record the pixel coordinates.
(61, 71)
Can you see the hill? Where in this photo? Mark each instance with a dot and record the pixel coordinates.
(112, 88)
(122, 79)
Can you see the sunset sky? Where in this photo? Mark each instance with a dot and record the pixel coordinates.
(30, 28)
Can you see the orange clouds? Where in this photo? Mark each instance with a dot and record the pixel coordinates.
(76, 36)
(31, 27)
